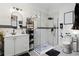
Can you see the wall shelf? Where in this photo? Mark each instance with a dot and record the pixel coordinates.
(30, 31)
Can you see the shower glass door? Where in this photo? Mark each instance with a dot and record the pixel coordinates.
(44, 38)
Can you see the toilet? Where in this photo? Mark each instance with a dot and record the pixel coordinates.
(67, 45)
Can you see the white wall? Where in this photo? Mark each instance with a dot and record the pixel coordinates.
(66, 28)
(60, 14)
(30, 10)
(27, 11)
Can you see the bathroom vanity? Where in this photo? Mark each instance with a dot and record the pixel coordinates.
(16, 44)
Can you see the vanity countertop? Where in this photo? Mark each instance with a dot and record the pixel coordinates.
(10, 35)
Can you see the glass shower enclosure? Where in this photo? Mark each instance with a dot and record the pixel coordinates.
(45, 35)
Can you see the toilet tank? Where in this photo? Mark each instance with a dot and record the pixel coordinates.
(67, 38)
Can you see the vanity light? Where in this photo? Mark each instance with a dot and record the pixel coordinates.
(12, 9)
(15, 9)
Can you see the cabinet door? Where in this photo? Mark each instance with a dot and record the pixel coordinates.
(8, 46)
(21, 44)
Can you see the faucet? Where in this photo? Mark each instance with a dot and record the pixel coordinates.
(13, 33)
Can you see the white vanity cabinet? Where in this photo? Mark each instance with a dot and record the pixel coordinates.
(16, 44)
(21, 44)
(9, 46)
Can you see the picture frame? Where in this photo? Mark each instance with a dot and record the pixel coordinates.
(68, 17)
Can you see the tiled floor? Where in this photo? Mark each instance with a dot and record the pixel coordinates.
(32, 53)
(43, 48)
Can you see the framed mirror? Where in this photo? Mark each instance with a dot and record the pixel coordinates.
(16, 19)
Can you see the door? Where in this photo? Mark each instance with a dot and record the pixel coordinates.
(8, 46)
(21, 44)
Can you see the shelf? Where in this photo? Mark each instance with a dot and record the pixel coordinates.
(31, 49)
(30, 31)
(32, 42)
(31, 39)
(31, 34)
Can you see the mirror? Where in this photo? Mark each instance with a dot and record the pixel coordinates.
(16, 18)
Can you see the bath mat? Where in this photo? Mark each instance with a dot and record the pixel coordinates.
(52, 52)
(25, 54)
